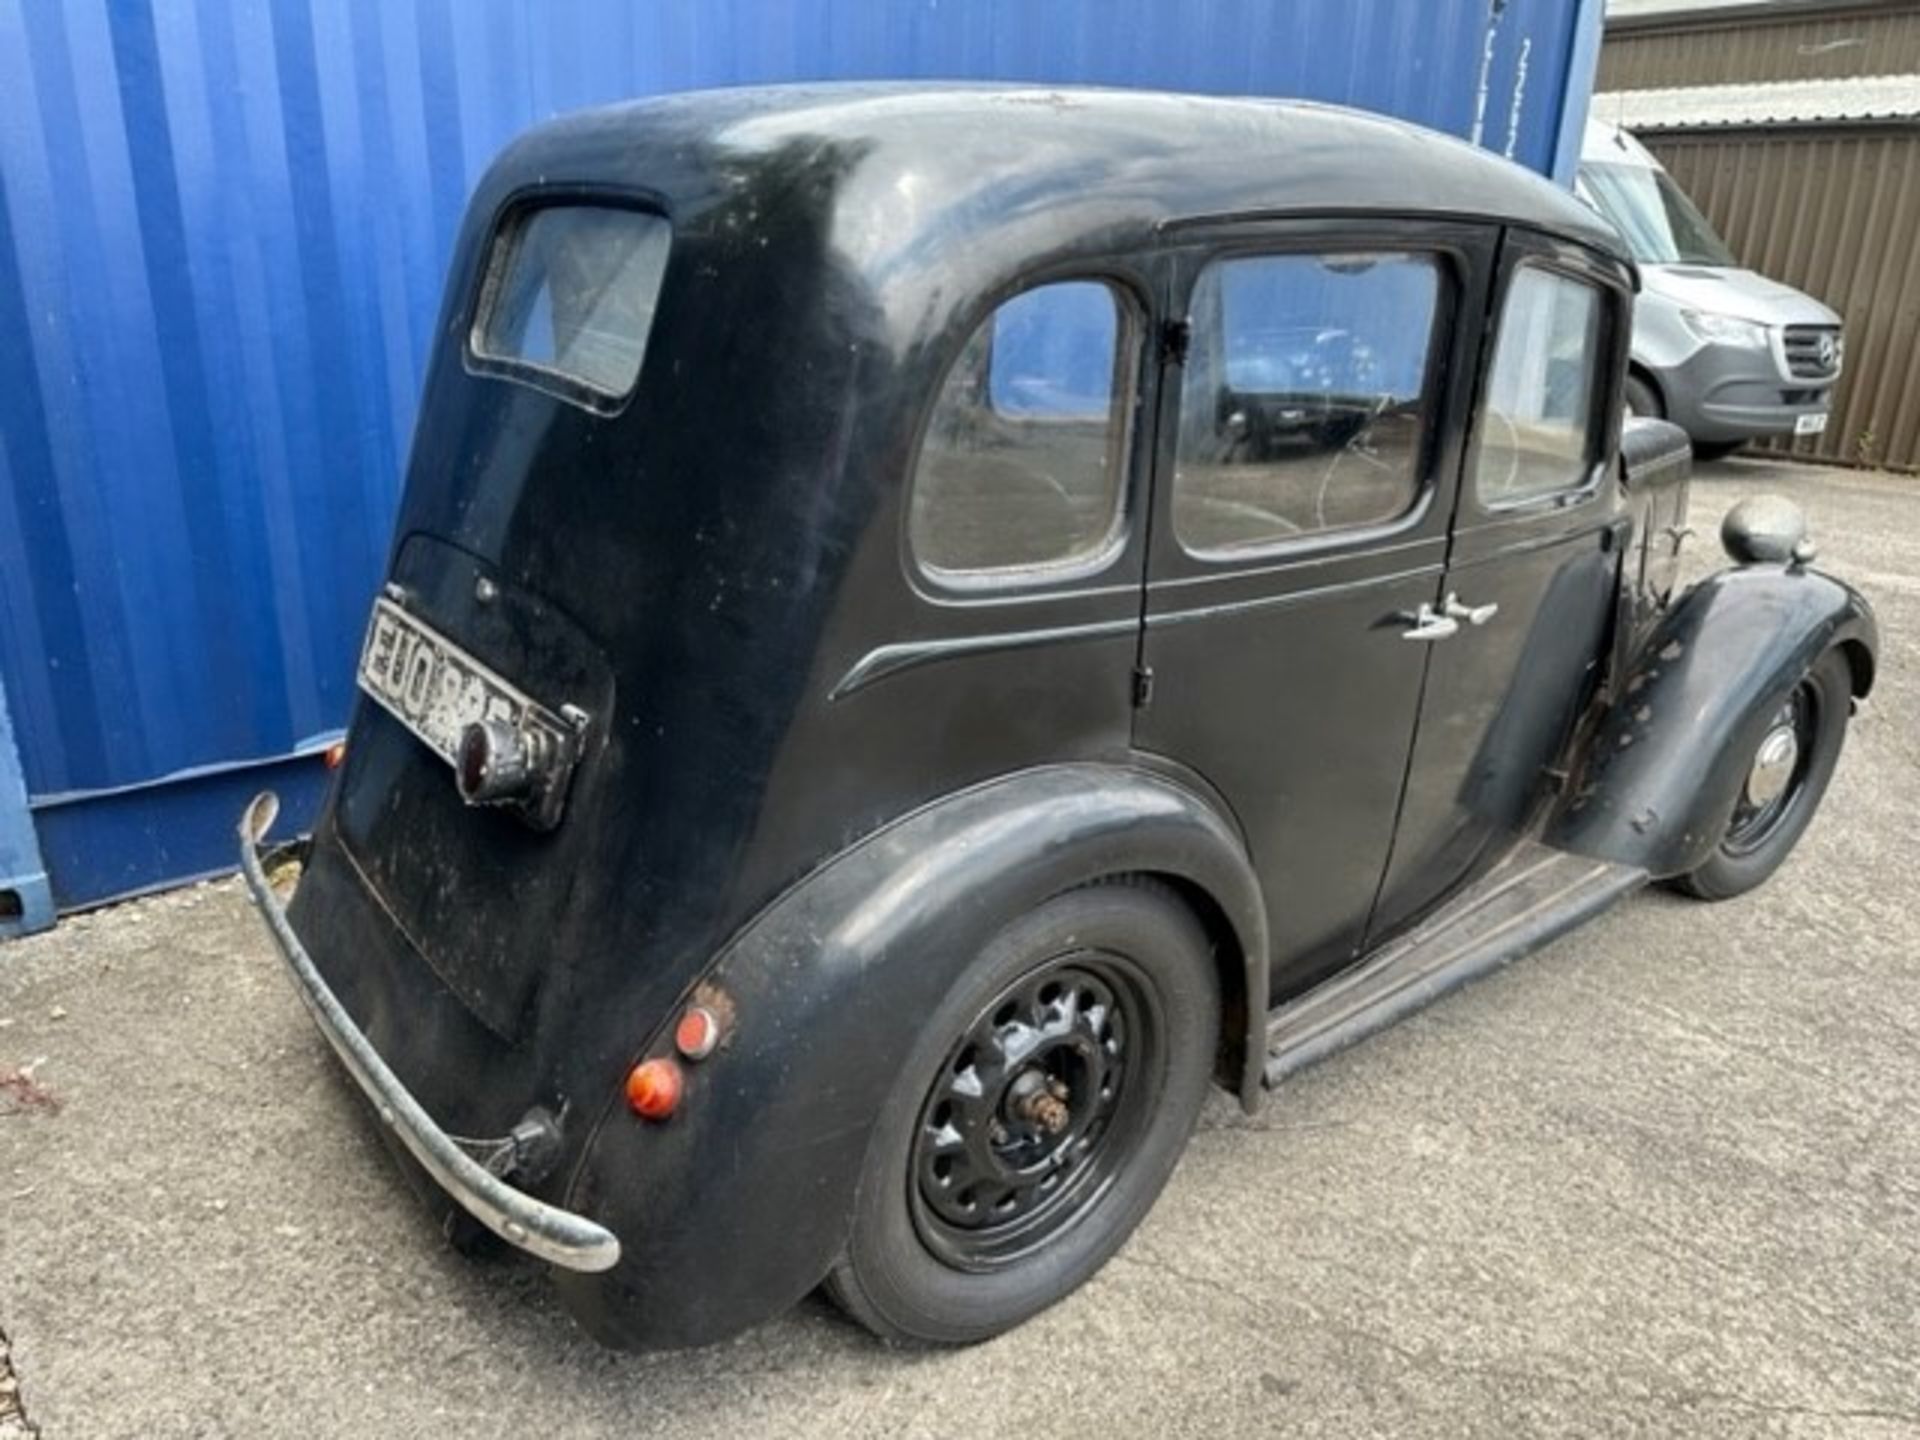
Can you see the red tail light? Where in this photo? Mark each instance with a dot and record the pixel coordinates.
(653, 1088)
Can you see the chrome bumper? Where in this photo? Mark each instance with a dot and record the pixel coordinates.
(558, 1236)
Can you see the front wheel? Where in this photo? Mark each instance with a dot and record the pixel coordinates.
(1043, 1107)
(1786, 778)
(1643, 400)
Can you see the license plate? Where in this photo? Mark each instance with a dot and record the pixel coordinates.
(1810, 424)
(435, 689)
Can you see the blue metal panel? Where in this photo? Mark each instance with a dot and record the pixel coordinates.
(1582, 66)
(26, 901)
(223, 227)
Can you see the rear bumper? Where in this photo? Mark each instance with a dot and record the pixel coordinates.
(557, 1236)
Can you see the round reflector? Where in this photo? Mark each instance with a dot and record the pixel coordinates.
(697, 1034)
(653, 1088)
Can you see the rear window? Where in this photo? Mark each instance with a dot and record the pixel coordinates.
(569, 299)
(1021, 470)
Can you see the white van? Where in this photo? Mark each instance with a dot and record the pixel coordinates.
(1723, 352)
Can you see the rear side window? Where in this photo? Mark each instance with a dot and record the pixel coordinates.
(1022, 464)
(569, 299)
(1536, 435)
(1304, 401)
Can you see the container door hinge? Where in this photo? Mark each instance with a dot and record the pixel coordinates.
(1142, 686)
(1176, 338)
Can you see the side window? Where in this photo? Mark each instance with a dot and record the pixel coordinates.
(1536, 433)
(1304, 404)
(1024, 456)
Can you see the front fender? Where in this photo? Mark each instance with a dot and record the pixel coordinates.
(737, 1207)
(1662, 768)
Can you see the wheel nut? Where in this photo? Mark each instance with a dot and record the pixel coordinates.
(1048, 1111)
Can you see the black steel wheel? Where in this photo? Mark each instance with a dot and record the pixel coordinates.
(1035, 1110)
(1787, 774)
(1045, 1106)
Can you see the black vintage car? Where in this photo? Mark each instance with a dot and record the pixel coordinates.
(929, 625)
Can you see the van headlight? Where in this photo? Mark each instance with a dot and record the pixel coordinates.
(1725, 329)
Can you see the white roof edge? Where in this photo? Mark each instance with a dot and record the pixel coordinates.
(1757, 103)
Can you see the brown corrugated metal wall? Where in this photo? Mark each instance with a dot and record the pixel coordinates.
(1834, 212)
(1831, 209)
(1706, 50)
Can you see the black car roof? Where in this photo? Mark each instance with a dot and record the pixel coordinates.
(962, 158)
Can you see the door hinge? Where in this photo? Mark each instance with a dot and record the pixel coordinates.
(1176, 338)
(1142, 686)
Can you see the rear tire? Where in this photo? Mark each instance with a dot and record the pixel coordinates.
(1042, 1108)
(1715, 449)
(1757, 837)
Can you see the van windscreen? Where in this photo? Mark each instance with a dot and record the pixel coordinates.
(1653, 215)
(569, 298)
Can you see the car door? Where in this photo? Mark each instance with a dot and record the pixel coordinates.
(1531, 576)
(1308, 441)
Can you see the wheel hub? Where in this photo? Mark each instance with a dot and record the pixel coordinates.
(1773, 765)
(1041, 1100)
(1775, 775)
(1015, 1134)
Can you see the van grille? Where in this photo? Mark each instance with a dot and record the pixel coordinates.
(1813, 352)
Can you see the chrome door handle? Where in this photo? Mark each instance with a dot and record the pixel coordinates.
(1426, 623)
(1472, 614)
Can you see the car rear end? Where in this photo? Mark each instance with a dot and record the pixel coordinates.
(575, 679)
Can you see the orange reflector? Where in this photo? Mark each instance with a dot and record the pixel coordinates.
(697, 1034)
(334, 754)
(653, 1088)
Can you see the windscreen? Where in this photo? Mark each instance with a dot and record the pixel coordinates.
(1653, 215)
(569, 298)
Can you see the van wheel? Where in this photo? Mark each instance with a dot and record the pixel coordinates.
(1786, 778)
(1643, 400)
(1044, 1105)
(1715, 449)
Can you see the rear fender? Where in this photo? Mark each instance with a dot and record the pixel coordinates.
(738, 1205)
(1662, 768)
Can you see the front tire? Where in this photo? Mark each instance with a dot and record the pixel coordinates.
(1705, 450)
(1037, 1119)
(1786, 779)
(1643, 400)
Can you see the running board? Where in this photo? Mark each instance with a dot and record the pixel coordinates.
(1533, 896)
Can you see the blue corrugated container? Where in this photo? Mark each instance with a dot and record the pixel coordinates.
(223, 228)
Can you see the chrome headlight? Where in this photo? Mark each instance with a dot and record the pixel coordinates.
(1725, 329)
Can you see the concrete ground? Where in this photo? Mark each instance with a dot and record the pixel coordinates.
(1662, 1178)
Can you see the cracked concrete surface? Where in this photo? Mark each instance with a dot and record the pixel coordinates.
(1663, 1178)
